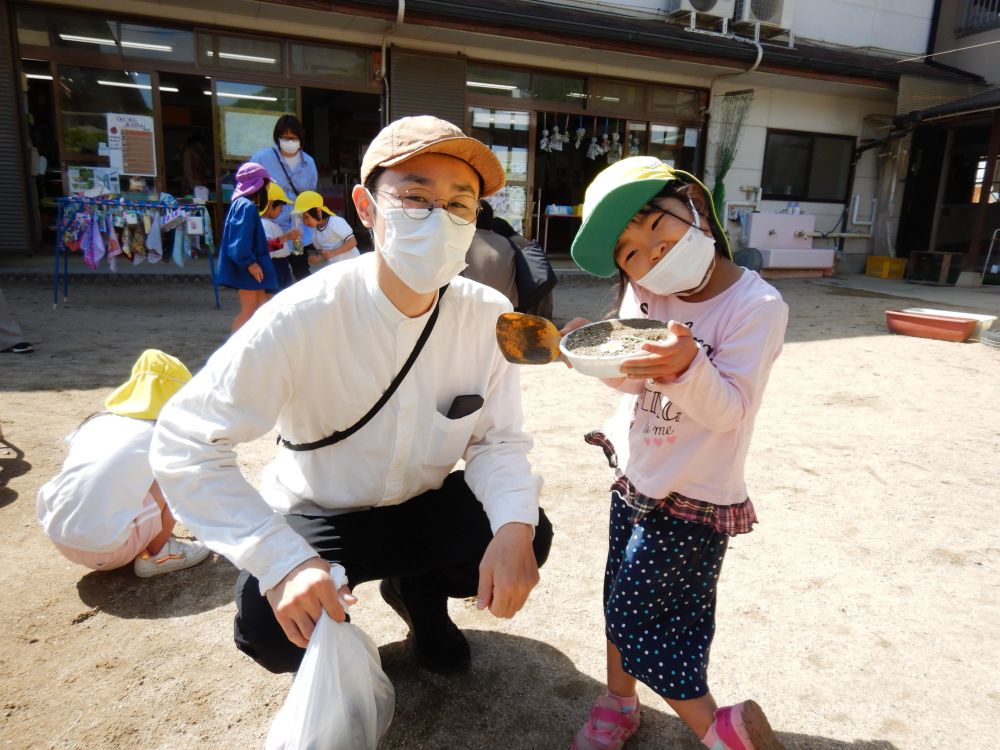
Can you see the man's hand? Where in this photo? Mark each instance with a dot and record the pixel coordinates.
(508, 571)
(302, 595)
(666, 361)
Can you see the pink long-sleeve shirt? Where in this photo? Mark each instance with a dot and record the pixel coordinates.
(691, 436)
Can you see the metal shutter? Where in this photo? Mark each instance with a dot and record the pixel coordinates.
(15, 236)
(424, 84)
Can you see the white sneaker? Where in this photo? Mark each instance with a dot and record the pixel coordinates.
(176, 554)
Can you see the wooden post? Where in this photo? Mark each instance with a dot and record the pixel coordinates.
(979, 232)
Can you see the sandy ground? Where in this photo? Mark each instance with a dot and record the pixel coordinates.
(862, 612)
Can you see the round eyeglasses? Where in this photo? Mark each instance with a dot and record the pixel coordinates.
(418, 204)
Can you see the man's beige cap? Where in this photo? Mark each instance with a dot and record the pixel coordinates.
(410, 136)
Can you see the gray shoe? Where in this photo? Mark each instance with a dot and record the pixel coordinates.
(176, 554)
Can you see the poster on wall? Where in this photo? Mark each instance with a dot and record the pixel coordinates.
(131, 145)
(246, 131)
(83, 179)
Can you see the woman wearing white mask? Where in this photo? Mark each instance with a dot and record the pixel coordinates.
(381, 374)
(295, 171)
(678, 444)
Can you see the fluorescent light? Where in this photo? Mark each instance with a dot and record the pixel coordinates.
(576, 95)
(143, 86)
(245, 58)
(609, 98)
(498, 86)
(243, 96)
(144, 45)
(86, 39)
(38, 76)
(169, 89)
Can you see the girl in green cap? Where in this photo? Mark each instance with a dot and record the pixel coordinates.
(678, 444)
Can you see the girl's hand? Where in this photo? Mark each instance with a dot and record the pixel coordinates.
(573, 325)
(292, 234)
(257, 272)
(569, 328)
(666, 361)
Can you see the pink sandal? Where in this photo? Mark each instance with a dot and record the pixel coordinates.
(607, 727)
(743, 727)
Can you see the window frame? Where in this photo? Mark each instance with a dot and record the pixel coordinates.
(812, 136)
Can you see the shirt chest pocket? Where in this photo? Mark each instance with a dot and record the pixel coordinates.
(448, 438)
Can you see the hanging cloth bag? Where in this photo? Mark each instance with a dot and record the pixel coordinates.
(341, 699)
(154, 240)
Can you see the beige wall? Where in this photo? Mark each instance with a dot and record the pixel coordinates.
(982, 60)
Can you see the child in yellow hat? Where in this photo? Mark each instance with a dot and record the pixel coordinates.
(278, 242)
(104, 510)
(333, 239)
(678, 444)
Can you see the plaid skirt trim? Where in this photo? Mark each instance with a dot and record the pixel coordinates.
(725, 519)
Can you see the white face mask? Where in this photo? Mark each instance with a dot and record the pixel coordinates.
(424, 253)
(686, 268)
(289, 147)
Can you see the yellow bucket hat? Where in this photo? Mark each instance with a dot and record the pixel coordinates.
(308, 200)
(275, 193)
(614, 197)
(156, 377)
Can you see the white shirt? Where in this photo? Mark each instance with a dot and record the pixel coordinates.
(336, 232)
(692, 435)
(273, 230)
(273, 371)
(91, 503)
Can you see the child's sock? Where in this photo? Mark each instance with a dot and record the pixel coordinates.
(711, 740)
(628, 703)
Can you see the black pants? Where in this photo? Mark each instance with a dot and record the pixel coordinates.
(435, 541)
(300, 263)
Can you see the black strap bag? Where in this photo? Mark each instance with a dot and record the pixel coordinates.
(344, 434)
(533, 274)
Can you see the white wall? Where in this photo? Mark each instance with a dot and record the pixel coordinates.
(784, 109)
(896, 25)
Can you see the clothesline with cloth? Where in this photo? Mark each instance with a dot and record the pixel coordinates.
(130, 231)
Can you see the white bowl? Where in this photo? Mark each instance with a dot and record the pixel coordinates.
(607, 366)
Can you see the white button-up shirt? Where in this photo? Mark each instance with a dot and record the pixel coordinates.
(314, 360)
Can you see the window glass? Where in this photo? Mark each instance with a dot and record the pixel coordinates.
(615, 96)
(335, 63)
(87, 95)
(559, 89)
(239, 53)
(155, 43)
(246, 114)
(677, 145)
(482, 79)
(682, 104)
(506, 133)
(32, 27)
(88, 33)
(636, 139)
(806, 166)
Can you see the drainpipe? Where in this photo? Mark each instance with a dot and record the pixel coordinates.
(382, 73)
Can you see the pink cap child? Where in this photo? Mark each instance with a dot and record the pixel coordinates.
(249, 179)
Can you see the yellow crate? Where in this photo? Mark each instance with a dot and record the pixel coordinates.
(884, 267)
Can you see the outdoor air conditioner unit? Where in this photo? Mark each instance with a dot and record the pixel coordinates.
(717, 8)
(770, 13)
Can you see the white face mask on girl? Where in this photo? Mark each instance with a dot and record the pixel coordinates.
(289, 147)
(424, 253)
(686, 268)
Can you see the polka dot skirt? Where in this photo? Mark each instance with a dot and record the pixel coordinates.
(659, 598)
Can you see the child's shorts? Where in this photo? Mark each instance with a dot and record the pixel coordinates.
(659, 598)
(283, 270)
(145, 526)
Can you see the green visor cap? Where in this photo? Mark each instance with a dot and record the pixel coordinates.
(613, 198)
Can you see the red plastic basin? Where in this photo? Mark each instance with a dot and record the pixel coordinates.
(930, 326)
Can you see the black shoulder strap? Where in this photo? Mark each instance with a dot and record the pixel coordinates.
(285, 170)
(344, 434)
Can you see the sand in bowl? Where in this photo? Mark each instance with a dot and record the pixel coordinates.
(615, 338)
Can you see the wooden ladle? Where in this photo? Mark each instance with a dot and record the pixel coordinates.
(527, 339)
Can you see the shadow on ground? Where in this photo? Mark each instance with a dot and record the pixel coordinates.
(121, 594)
(524, 693)
(12, 464)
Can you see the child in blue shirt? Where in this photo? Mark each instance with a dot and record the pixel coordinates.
(244, 261)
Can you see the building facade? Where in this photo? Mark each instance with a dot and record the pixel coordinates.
(556, 88)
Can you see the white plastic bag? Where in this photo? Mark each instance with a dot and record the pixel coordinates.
(341, 698)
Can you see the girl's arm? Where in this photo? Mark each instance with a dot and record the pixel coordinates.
(720, 393)
(349, 244)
